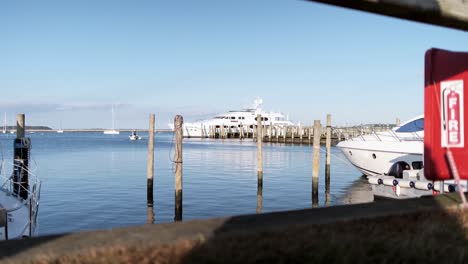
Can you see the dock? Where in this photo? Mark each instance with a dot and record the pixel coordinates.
(291, 134)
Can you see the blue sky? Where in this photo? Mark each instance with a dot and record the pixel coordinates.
(68, 62)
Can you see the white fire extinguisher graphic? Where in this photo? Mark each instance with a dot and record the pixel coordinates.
(452, 126)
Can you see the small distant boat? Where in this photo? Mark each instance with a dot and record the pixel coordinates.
(4, 124)
(134, 136)
(112, 131)
(60, 130)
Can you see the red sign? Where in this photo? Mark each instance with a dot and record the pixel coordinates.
(446, 74)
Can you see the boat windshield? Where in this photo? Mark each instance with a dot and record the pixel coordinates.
(413, 126)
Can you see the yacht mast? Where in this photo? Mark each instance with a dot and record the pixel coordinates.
(113, 121)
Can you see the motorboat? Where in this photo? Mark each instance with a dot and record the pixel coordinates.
(234, 121)
(19, 203)
(375, 153)
(134, 136)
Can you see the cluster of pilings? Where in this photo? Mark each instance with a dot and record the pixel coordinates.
(258, 133)
(296, 134)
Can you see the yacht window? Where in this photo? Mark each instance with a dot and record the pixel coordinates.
(233, 117)
(266, 118)
(414, 126)
(374, 156)
(417, 165)
(397, 169)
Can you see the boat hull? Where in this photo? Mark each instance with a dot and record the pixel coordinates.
(372, 158)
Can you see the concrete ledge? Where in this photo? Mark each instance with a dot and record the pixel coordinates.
(204, 230)
(447, 13)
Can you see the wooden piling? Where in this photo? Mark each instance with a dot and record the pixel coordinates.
(178, 122)
(292, 134)
(285, 133)
(316, 162)
(277, 134)
(300, 133)
(270, 131)
(259, 151)
(21, 149)
(150, 165)
(20, 126)
(327, 160)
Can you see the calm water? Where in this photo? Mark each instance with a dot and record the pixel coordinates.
(92, 180)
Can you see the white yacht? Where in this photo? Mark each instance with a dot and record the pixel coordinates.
(375, 153)
(235, 120)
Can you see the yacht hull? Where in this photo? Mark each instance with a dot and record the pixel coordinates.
(372, 158)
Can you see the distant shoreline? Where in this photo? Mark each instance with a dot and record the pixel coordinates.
(88, 130)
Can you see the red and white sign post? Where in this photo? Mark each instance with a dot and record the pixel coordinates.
(446, 74)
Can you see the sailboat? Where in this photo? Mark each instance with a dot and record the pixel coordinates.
(4, 124)
(112, 131)
(60, 129)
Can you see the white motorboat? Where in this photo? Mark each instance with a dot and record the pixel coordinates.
(375, 153)
(134, 136)
(18, 206)
(234, 121)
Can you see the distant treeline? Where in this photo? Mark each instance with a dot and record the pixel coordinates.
(30, 127)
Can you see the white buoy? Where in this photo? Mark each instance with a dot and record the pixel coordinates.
(373, 180)
(405, 183)
(389, 181)
(423, 185)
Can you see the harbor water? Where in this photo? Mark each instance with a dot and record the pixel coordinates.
(95, 181)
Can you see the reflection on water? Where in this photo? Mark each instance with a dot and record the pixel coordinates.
(93, 181)
(259, 199)
(359, 192)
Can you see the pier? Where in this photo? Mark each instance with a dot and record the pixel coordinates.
(291, 134)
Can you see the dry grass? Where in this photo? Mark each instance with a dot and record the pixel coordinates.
(428, 237)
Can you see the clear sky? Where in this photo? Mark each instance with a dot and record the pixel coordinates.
(69, 61)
